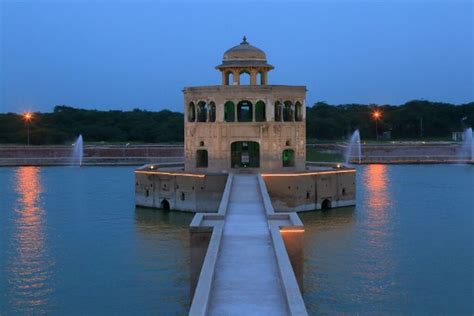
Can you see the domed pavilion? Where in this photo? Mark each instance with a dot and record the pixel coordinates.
(244, 124)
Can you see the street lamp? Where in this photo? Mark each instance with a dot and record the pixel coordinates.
(27, 117)
(376, 115)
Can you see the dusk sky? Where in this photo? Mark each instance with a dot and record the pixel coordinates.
(140, 54)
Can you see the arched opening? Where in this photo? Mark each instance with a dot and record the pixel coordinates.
(165, 205)
(326, 204)
(191, 112)
(229, 78)
(244, 111)
(245, 155)
(298, 112)
(202, 111)
(288, 158)
(212, 112)
(277, 111)
(288, 111)
(260, 111)
(201, 158)
(229, 111)
(244, 78)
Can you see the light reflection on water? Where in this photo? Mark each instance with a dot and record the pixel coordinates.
(31, 267)
(406, 248)
(72, 242)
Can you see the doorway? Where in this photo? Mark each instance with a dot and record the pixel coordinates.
(245, 155)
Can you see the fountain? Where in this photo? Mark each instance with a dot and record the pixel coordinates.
(78, 152)
(354, 141)
(467, 148)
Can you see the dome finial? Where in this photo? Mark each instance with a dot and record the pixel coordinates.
(244, 40)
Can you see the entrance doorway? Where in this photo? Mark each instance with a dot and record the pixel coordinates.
(245, 155)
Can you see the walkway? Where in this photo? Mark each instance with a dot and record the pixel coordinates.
(247, 279)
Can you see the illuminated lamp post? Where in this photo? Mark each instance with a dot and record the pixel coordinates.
(27, 117)
(376, 115)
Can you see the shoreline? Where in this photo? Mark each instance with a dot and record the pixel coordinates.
(137, 155)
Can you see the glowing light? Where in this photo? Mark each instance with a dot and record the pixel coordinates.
(291, 230)
(27, 116)
(376, 115)
(306, 173)
(171, 173)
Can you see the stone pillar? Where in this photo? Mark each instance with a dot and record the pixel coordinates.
(264, 77)
(253, 77)
(223, 78)
(253, 111)
(293, 240)
(236, 79)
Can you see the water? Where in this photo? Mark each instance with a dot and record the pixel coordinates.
(78, 152)
(467, 150)
(72, 242)
(354, 143)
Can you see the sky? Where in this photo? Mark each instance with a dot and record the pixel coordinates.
(140, 54)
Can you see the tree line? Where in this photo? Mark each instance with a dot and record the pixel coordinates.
(412, 120)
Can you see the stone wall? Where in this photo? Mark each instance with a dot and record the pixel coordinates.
(184, 192)
(309, 192)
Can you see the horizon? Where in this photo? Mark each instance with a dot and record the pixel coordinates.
(182, 112)
(104, 56)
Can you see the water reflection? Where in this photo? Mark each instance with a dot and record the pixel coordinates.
(377, 201)
(30, 271)
(163, 249)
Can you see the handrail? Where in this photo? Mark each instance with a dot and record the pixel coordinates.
(200, 302)
(290, 285)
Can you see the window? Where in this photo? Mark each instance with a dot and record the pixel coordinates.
(201, 158)
(298, 112)
(288, 158)
(229, 111)
(260, 111)
(191, 112)
(212, 112)
(202, 112)
(277, 111)
(288, 111)
(244, 111)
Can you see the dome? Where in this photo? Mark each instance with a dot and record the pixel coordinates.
(244, 55)
(244, 52)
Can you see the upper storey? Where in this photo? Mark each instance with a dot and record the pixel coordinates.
(244, 60)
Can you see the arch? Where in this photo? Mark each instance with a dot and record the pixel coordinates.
(165, 205)
(212, 111)
(288, 158)
(298, 111)
(287, 111)
(202, 111)
(229, 111)
(244, 77)
(229, 78)
(201, 158)
(245, 154)
(326, 204)
(278, 111)
(191, 112)
(244, 111)
(260, 111)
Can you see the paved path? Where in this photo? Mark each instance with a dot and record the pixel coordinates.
(247, 280)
